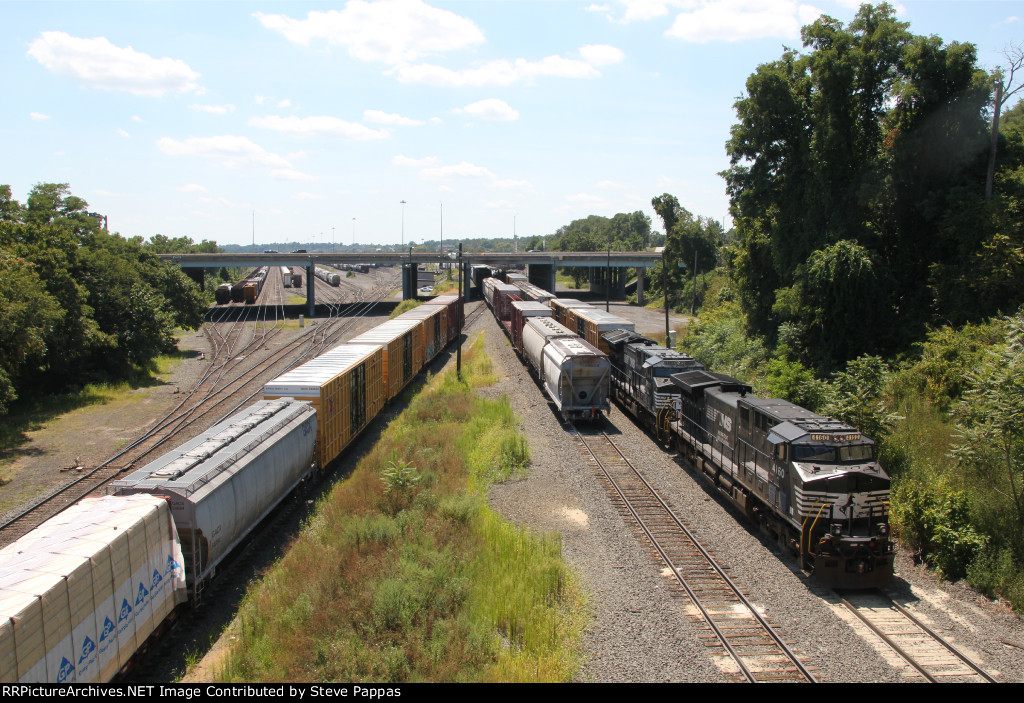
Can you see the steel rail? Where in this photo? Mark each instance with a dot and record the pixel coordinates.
(903, 653)
(769, 630)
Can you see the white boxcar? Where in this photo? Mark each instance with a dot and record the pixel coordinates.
(223, 482)
(82, 592)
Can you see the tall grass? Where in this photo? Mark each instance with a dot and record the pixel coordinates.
(404, 574)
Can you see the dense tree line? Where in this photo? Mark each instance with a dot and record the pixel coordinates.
(77, 303)
(858, 190)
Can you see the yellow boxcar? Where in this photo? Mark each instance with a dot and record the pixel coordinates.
(402, 341)
(591, 324)
(562, 309)
(345, 385)
(435, 328)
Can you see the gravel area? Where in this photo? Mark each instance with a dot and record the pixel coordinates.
(640, 631)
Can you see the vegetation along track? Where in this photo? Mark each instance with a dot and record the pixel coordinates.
(753, 650)
(235, 376)
(932, 656)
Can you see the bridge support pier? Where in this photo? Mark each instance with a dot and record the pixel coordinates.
(409, 281)
(310, 290)
(542, 276)
(599, 282)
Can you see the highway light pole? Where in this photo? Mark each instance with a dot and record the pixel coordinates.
(403, 223)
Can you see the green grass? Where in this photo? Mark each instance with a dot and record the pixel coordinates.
(564, 279)
(34, 412)
(404, 306)
(404, 574)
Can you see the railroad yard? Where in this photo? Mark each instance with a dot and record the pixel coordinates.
(644, 627)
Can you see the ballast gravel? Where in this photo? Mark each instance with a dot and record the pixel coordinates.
(639, 631)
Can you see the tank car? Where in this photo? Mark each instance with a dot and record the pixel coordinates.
(811, 481)
(328, 277)
(223, 294)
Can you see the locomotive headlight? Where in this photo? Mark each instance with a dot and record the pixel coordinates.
(883, 529)
(836, 529)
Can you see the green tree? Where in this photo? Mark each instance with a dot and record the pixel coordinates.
(990, 419)
(27, 316)
(874, 137)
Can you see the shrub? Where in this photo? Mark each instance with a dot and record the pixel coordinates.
(937, 521)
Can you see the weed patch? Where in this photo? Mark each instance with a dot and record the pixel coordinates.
(404, 573)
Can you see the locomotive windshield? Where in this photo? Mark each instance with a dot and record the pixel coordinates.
(825, 454)
(849, 483)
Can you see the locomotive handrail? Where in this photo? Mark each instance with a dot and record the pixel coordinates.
(805, 531)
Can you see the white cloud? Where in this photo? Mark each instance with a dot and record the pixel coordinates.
(136, 118)
(1009, 20)
(213, 109)
(598, 8)
(318, 126)
(289, 174)
(98, 63)
(645, 9)
(308, 196)
(436, 120)
(491, 109)
(736, 20)
(601, 54)
(501, 72)
(390, 31)
(381, 117)
(414, 163)
(446, 189)
(284, 103)
(108, 193)
(228, 150)
(38, 116)
(612, 185)
(192, 188)
(463, 169)
(260, 99)
(124, 133)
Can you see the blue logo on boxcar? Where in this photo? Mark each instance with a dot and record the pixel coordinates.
(88, 647)
(126, 611)
(67, 670)
(141, 596)
(108, 629)
(172, 566)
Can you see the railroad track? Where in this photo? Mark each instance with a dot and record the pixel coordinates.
(215, 389)
(925, 651)
(749, 647)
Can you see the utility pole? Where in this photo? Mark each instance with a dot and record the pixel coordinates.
(458, 311)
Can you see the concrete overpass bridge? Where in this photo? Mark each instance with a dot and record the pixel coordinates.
(608, 269)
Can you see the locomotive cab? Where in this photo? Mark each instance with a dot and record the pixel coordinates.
(840, 496)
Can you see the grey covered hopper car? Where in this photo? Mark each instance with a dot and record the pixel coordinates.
(223, 482)
(575, 375)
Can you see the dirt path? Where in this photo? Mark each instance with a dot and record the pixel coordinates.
(90, 435)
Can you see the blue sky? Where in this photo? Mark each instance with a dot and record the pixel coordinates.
(315, 119)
